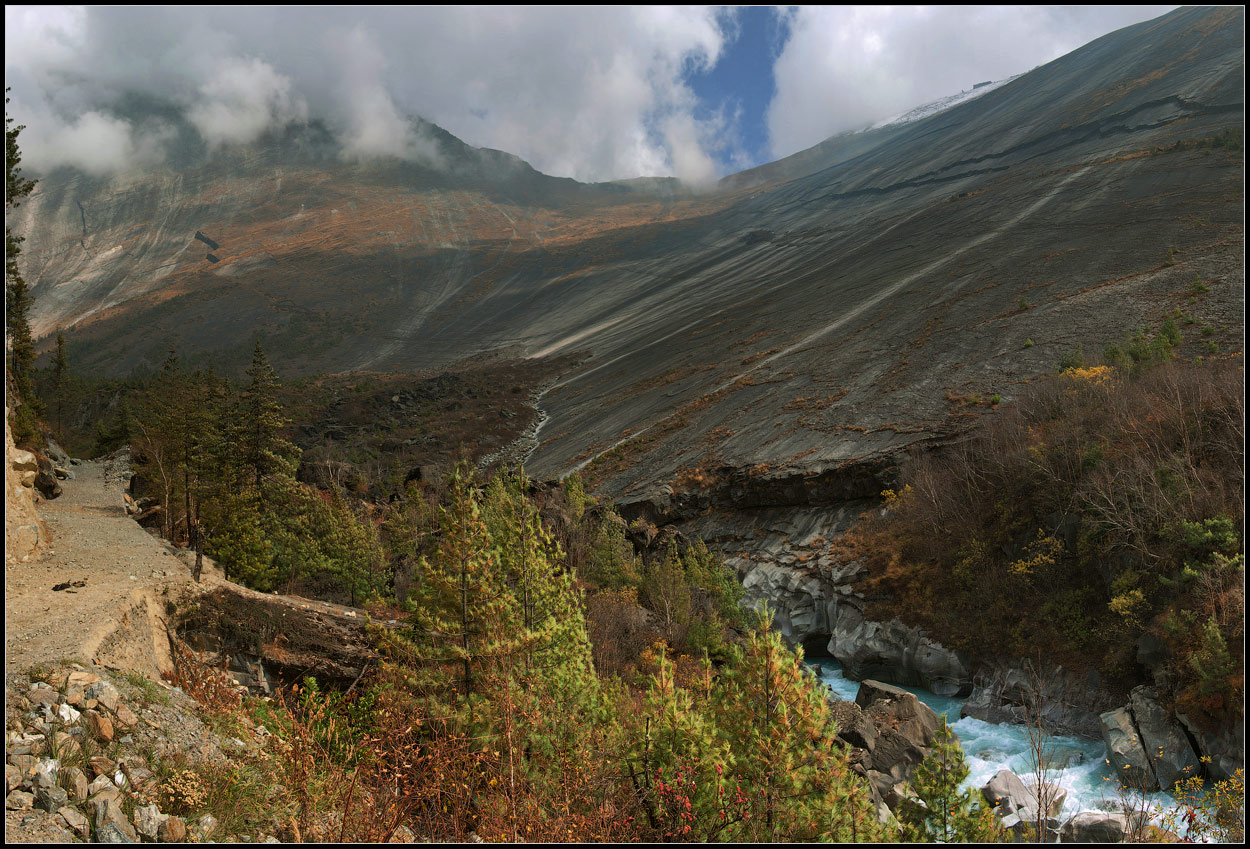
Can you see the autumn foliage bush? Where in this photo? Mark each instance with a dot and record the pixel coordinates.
(1103, 503)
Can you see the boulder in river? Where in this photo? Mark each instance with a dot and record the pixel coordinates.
(1163, 739)
(1125, 750)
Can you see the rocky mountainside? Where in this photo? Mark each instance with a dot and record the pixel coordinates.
(827, 309)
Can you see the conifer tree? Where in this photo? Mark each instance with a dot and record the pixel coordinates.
(778, 723)
(21, 348)
(942, 812)
(464, 601)
(265, 451)
(60, 383)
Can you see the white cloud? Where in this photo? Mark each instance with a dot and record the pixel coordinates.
(241, 99)
(594, 93)
(844, 68)
(591, 93)
(93, 142)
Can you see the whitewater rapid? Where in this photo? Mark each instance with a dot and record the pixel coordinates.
(990, 747)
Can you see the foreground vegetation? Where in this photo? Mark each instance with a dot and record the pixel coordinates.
(1106, 505)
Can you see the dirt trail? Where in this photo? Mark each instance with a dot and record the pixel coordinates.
(93, 540)
(133, 580)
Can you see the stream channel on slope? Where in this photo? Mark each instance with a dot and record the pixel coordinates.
(990, 747)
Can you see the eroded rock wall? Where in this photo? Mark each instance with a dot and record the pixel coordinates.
(24, 531)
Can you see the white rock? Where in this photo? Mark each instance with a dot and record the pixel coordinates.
(148, 821)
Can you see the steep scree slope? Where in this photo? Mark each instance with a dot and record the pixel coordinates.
(820, 311)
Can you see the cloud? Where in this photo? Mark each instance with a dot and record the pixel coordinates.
(845, 68)
(241, 99)
(594, 93)
(590, 93)
(94, 142)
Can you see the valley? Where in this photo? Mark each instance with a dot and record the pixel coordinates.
(959, 399)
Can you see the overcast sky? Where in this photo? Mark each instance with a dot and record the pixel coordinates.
(591, 93)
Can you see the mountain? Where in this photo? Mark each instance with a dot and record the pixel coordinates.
(774, 341)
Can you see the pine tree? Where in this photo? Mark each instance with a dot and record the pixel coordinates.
(777, 720)
(60, 383)
(942, 812)
(464, 606)
(21, 351)
(264, 450)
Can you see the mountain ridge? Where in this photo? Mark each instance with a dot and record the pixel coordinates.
(843, 294)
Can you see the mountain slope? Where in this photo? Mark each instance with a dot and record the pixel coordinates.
(816, 312)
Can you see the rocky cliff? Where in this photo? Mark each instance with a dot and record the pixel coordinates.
(24, 531)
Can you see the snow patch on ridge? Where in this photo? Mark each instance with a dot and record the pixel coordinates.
(942, 104)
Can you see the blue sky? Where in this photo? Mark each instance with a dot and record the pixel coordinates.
(741, 83)
(594, 93)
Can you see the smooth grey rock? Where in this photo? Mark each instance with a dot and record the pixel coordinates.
(1069, 702)
(1006, 792)
(904, 728)
(1224, 749)
(1095, 827)
(1062, 757)
(896, 652)
(1163, 740)
(1125, 750)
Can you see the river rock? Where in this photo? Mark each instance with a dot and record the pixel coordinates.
(1125, 750)
(1062, 757)
(1163, 739)
(1006, 792)
(904, 726)
(896, 652)
(854, 727)
(1095, 827)
(1224, 750)
(1070, 703)
(804, 606)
